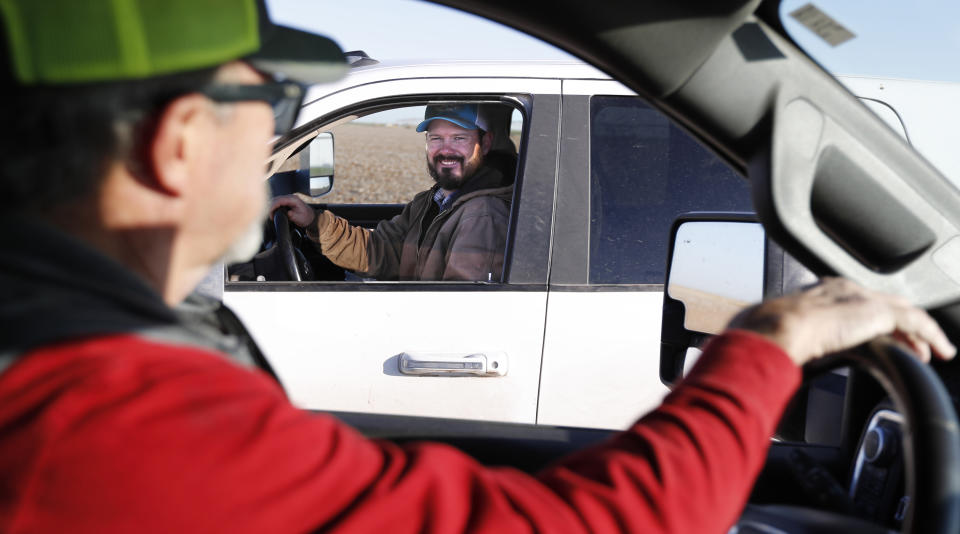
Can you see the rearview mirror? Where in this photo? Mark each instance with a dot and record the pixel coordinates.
(718, 264)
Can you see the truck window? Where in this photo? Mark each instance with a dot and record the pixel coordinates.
(644, 171)
(379, 166)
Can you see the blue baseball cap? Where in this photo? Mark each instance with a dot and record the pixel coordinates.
(467, 116)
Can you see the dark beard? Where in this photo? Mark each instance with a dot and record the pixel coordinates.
(444, 177)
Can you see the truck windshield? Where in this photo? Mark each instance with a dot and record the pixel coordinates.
(900, 58)
(884, 38)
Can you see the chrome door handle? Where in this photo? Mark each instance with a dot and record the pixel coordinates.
(478, 364)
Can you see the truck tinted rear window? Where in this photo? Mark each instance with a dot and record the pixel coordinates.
(644, 171)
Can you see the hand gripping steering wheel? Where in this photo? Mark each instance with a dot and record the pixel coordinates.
(931, 444)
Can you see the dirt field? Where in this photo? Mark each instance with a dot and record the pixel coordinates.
(378, 164)
(706, 312)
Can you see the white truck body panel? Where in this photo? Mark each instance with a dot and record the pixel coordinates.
(338, 350)
(606, 385)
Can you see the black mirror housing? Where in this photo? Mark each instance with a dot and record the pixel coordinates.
(717, 264)
(308, 171)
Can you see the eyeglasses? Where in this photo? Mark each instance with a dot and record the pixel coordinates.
(284, 97)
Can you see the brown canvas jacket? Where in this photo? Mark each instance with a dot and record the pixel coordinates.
(465, 242)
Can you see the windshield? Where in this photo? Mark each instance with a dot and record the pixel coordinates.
(901, 58)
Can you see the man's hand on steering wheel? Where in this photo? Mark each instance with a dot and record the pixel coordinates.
(295, 265)
(838, 314)
(298, 211)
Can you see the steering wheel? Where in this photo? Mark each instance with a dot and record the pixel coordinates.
(931, 444)
(288, 255)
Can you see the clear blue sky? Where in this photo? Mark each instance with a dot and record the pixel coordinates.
(894, 38)
(917, 39)
(406, 29)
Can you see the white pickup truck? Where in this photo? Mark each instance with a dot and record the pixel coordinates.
(586, 147)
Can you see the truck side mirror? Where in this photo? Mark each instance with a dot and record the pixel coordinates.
(718, 264)
(309, 171)
(321, 164)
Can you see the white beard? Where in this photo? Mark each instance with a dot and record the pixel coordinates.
(243, 249)
(245, 246)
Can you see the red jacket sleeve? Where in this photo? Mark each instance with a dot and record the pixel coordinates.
(152, 441)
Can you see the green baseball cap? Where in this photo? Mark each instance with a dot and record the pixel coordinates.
(79, 41)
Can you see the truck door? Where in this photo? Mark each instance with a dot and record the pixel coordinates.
(626, 171)
(337, 345)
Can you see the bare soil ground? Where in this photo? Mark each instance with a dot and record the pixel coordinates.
(706, 312)
(377, 164)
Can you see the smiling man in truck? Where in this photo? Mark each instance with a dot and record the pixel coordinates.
(456, 230)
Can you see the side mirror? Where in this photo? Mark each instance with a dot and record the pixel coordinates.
(320, 161)
(718, 264)
(309, 171)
